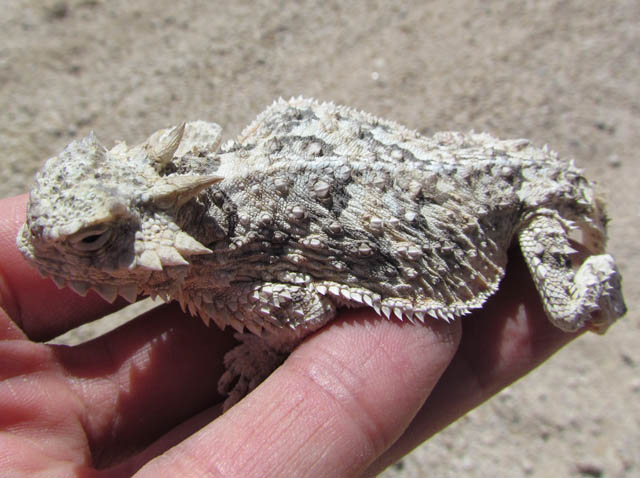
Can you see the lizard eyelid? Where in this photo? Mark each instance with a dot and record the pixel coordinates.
(92, 239)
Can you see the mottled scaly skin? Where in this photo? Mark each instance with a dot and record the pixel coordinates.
(317, 205)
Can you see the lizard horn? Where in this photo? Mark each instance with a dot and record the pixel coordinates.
(162, 149)
(174, 191)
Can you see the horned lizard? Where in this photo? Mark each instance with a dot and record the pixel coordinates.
(315, 206)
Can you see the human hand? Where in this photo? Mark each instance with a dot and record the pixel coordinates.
(349, 401)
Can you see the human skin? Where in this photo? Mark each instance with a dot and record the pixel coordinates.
(142, 400)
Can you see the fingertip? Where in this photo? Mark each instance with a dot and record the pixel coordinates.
(501, 342)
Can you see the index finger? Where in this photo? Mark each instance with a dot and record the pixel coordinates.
(342, 397)
(35, 304)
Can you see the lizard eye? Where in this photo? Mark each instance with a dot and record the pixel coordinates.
(92, 240)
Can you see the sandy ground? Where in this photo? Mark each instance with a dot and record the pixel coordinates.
(559, 72)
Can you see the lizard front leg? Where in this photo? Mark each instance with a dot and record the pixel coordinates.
(286, 314)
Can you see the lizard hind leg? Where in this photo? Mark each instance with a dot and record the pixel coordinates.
(571, 298)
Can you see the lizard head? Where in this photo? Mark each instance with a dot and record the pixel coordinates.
(104, 219)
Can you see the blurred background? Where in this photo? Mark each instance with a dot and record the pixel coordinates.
(560, 72)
